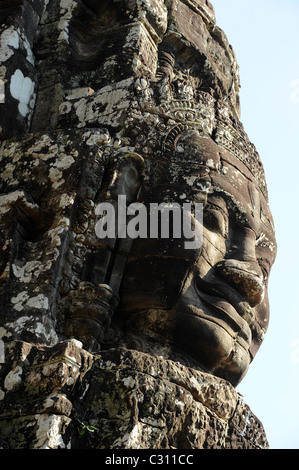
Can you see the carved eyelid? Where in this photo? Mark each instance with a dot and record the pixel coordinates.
(211, 208)
(214, 207)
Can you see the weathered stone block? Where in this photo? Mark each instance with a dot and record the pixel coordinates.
(19, 79)
(137, 400)
(42, 431)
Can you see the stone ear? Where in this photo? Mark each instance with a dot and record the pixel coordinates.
(128, 176)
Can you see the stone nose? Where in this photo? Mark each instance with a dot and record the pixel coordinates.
(247, 278)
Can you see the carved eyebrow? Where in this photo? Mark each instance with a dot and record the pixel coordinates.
(235, 206)
(215, 206)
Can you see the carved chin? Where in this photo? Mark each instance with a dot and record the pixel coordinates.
(212, 343)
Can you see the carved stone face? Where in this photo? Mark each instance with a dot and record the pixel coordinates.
(210, 302)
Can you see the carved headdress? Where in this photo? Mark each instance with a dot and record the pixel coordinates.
(180, 107)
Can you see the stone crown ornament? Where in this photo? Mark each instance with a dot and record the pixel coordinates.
(181, 104)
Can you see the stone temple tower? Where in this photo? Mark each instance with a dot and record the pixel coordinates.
(116, 116)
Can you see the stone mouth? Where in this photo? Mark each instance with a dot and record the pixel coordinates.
(230, 306)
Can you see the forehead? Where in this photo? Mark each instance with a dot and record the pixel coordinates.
(235, 184)
(191, 150)
(231, 181)
(243, 196)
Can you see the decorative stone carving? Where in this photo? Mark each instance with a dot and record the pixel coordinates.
(126, 342)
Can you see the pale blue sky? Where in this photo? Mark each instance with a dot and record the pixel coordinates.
(264, 36)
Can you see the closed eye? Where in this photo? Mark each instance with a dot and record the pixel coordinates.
(215, 220)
